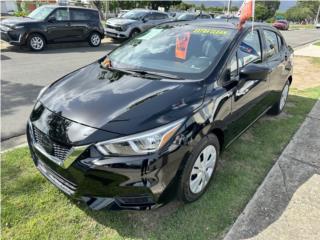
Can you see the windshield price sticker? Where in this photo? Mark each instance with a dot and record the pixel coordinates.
(210, 31)
(182, 42)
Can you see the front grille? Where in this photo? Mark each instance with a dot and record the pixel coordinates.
(114, 27)
(54, 149)
(63, 184)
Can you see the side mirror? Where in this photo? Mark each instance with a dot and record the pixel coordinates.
(52, 19)
(290, 49)
(254, 72)
(144, 20)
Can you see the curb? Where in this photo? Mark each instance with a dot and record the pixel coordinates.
(235, 229)
(13, 143)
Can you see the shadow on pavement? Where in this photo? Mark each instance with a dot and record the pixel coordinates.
(64, 48)
(15, 95)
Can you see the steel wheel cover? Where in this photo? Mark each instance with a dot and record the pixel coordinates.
(202, 169)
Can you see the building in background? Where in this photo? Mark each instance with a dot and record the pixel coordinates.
(8, 7)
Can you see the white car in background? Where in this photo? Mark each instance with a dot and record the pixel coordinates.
(133, 22)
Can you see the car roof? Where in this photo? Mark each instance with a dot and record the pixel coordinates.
(221, 23)
(146, 10)
(67, 6)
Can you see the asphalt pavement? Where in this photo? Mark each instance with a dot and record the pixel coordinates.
(24, 73)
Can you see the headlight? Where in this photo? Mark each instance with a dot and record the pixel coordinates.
(141, 143)
(42, 92)
(125, 27)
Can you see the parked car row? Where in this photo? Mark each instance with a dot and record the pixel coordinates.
(57, 24)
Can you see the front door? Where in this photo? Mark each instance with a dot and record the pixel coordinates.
(249, 98)
(59, 29)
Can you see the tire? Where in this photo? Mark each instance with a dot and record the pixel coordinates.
(190, 188)
(36, 42)
(94, 39)
(278, 107)
(134, 33)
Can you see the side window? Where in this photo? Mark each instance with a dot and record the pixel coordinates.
(62, 14)
(250, 49)
(149, 16)
(160, 16)
(234, 67)
(79, 15)
(280, 42)
(204, 16)
(272, 43)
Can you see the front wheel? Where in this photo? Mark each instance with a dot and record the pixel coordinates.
(279, 106)
(199, 169)
(134, 33)
(95, 39)
(36, 42)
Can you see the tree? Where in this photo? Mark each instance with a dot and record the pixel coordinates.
(266, 9)
(99, 6)
(311, 5)
(166, 4)
(298, 14)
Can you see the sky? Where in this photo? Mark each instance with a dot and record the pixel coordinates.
(284, 4)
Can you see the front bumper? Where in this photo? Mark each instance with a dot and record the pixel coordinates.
(14, 37)
(143, 182)
(110, 32)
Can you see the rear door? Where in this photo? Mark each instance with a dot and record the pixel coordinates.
(81, 21)
(276, 58)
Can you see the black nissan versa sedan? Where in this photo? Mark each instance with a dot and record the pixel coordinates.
(53, 24)
(148, 121)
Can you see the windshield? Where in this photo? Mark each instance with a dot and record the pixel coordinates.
(186, 16)
(135, 15)
(41, 13)
(188, 52)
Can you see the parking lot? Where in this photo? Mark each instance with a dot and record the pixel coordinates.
(24, 73)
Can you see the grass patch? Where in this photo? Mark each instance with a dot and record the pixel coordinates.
(317, 44)
(301, 26)
(32, 208)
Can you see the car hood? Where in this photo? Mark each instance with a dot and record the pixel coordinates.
(121, 103)
(17, 20)
(120, 21)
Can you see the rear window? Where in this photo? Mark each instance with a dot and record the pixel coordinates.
(186, 51)
(83, 15)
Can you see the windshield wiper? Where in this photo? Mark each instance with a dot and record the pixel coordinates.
(154, 74)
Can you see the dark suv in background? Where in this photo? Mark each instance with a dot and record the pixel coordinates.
(53, 24)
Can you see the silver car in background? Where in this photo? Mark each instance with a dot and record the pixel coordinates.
(133, 22)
